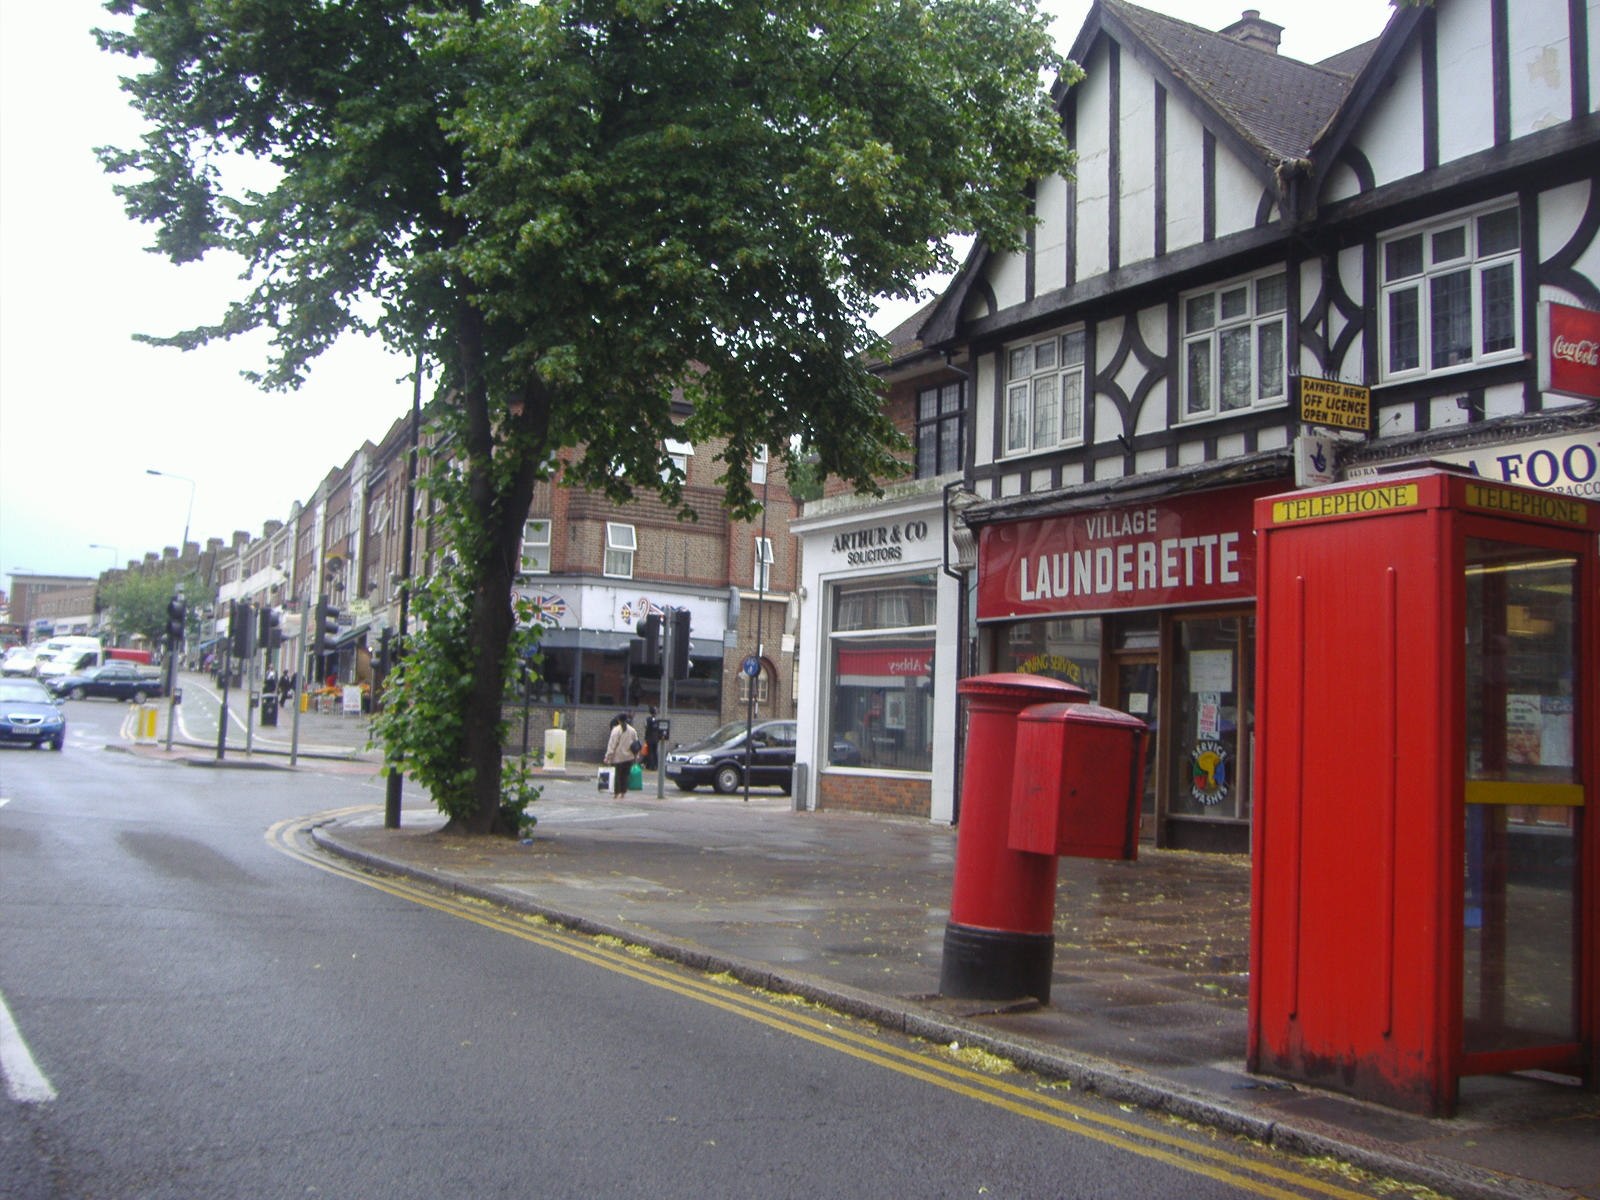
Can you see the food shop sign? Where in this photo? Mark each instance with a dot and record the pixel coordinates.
(1195, 549)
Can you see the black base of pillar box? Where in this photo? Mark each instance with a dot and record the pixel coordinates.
(993, 964)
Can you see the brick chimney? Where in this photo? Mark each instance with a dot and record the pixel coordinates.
(1253, 31)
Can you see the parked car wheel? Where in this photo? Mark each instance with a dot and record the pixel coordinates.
(138, 697)
(56, 745)
(726, 779)
(78, 693)
(682, 786)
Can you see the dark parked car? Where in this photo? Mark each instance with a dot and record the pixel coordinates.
(720, 758)
(30, 714)
(117, 680)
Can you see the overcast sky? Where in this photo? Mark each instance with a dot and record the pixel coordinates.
(85, 412)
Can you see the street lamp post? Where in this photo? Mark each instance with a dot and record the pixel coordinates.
(113, 549)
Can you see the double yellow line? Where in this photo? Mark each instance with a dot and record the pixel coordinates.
(1262, 1178)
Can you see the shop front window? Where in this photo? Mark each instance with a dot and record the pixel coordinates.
(881, 650)
(1212, 666)
(1064, 648)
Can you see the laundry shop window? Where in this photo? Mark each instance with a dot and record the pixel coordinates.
(881, 653)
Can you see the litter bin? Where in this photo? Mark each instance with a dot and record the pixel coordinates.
(269, 708)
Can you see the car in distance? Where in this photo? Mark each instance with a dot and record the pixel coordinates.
(719, 758)
(18, 661)
(30, 714)
(115, 680)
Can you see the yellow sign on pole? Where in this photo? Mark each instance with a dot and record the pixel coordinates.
(1334, 405)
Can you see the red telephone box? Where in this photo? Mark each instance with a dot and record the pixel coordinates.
(1427, 853)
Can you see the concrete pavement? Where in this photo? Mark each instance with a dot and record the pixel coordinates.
(1149, 989)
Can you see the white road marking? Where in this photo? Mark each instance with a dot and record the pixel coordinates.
(25, 1082)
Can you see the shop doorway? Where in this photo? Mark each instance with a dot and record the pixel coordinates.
(1136, 689)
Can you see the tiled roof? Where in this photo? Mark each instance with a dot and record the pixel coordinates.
(1277, 104)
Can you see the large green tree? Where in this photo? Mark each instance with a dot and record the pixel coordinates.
(136, 601)
(578, 210)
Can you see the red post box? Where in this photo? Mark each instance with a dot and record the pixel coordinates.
(1425, 899)
(998, 943)
(1078, 782)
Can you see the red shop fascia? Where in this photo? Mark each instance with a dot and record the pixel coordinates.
(1148, 602)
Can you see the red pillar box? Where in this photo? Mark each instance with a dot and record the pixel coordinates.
(1079, 780)
(998, 942)
(1426, 849)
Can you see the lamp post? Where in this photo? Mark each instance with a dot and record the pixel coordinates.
(113, 549)
(183, 546)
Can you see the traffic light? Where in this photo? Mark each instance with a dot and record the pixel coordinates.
(269, 629)
(680, 643)
(326, 628)
(239, 630)
(177, 611)
(644, 651)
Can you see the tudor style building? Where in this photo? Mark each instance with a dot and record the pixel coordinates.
(1416, 216)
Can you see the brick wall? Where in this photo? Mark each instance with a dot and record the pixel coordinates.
(874, 794)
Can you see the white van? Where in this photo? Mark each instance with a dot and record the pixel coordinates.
(65, 655)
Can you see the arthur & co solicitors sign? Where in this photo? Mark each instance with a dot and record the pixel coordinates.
(1180, 550)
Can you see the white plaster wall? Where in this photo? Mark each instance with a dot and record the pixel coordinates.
(1594, 55)
(1392, 422)
(1152, 418)
(1094, 165)
(1007, 276)
(1185, 161)
(1107, 421)
(1444, 412)
(1341, 184)
(1274, 438)
(980, 419)
(1011, 485)
(1352, 274)
(1190, 453)
(1071, 474)
(1050, 235)
(1230, 445)
(1238, 194)
(1466, 72)
(1541, 68)
(1560, 211)
(1147, 461)
(1391, 136)
(1138, 207)
(1503, 401)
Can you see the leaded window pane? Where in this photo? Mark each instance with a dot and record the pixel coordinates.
(1197, 368)
(1498, 232)
(1272, 294)
(1017, 417)
(1405, 343)
(1044, 355)
(1072, 348)
(1450, 312)
(1234, 360)
(1199, 313)
(1234, 304)
(1402, 258)
(1499, 308)
(1449, 244)
(1071, 407)
(1269, 355)
(1046, 429)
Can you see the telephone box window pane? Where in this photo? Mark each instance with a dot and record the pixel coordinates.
(1520, 911)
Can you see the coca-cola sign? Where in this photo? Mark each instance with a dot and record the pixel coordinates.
(1569, 343)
